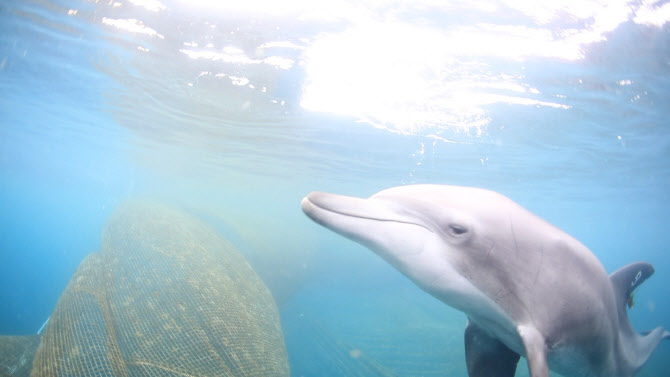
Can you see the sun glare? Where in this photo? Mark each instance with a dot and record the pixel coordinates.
(405, 78)
(384, 65)
(131, 25)
(411, 77)
(272, 7)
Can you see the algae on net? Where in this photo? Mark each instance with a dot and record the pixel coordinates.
(166, 296)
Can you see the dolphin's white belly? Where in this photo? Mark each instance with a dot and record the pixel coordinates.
(502, 329)
(480, 309)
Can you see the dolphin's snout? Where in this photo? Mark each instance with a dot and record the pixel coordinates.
(345, 205)
(308, 208)
(310, 203)
(305, 203)
(318, 205)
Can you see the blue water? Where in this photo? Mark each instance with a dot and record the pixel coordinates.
(237, 112)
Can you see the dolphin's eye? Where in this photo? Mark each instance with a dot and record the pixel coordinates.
(457, 230)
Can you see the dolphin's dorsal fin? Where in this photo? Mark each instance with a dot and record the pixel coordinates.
(624, 282)
(486, 356)
(638, 346)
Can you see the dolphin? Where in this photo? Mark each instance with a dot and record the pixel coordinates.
(528, 288)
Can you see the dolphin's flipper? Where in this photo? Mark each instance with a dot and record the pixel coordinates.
(486, 356)
(536, 351)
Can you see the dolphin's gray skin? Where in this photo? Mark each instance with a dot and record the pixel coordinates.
(527, 288)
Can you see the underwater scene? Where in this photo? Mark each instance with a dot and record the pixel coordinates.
(334, 188)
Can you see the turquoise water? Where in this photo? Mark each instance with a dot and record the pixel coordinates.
(235, 112)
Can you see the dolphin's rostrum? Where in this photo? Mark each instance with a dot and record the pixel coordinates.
(527, 288)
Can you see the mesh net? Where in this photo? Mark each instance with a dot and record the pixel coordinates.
(166, 296)
(16, 354)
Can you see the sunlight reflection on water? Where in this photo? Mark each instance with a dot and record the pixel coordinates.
(410, 67)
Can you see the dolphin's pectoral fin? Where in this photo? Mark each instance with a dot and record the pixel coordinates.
(486, 356)
(536, 351)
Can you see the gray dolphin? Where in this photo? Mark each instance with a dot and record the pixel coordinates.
(527, 288)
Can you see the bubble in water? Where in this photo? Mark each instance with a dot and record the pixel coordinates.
(355, 353)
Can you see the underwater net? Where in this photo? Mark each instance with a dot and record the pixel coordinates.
(16, 354)
(166, 296)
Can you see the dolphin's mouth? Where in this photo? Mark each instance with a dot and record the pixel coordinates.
(338, 204)
(320, 206)
(376, 223)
